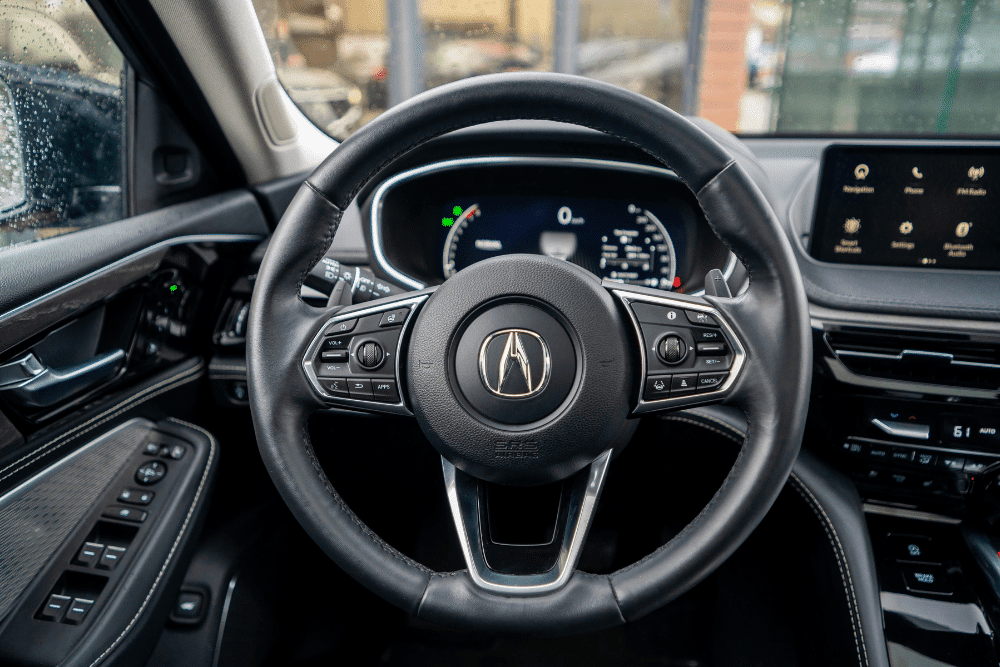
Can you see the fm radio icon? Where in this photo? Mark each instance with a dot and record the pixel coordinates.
(975, 173)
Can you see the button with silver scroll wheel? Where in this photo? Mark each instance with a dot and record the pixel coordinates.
(370, 355)
(671, 349)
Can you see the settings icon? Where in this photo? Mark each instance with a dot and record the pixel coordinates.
(906, 227)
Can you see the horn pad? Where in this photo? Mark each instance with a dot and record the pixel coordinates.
(520, 370)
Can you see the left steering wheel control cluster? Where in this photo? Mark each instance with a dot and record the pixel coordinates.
(354, 360)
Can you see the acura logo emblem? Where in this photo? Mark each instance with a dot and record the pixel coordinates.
(515, 363)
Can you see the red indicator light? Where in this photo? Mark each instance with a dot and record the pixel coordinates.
(677, 282)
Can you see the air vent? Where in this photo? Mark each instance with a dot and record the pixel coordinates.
(940, 359)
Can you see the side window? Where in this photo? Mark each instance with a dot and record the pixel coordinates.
(61, 121)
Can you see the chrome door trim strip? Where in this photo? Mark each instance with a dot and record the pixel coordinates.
(507, 160)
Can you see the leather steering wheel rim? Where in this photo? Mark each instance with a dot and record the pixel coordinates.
(771, 318)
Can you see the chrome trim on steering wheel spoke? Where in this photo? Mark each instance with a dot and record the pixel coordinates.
(463, 499)
(739, 353)
(308, 361)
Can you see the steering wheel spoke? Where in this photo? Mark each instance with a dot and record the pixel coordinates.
(544, 565)
(689, 354)
(355, 358)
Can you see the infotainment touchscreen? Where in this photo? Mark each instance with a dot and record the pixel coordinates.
(922, 207)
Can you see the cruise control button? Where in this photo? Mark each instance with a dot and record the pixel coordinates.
(385, 391)
(711, 349)
(707, 336)
(77, 611)
(704, 319)
(684, 384)
(151, 472)
(344, 326)
(130, 514)
(392, 318)
(360, 389)
(335, 386)
(711, 381)
(657, 388)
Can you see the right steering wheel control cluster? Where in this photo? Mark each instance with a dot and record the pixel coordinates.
(687, 351)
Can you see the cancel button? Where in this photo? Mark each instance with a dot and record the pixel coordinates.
(711, 381)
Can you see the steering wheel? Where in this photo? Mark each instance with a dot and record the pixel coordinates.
(524, 370)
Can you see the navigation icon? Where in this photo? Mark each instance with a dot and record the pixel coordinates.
(861, 171)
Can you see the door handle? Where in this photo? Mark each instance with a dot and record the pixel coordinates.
(28, 383)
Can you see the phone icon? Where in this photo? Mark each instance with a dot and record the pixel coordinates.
(916, 172)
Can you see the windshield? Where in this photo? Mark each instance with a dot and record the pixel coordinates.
(828, 67)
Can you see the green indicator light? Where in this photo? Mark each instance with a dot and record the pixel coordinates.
(173, 288)
(457, 211)
(447, 222)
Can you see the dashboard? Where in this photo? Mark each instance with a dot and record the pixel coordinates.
(623, 222)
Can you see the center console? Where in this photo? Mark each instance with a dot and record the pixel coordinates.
(909, 406)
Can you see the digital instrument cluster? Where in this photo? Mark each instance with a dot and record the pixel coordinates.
(623, 222)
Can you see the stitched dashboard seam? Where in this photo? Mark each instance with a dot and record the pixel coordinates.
(173, 548)
(828, 528)
(133, 400)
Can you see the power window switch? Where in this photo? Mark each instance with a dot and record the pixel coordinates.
(112, 556)
(55, 608)
(77, 611)
(89, 554)
(130, 514)
(135, 497)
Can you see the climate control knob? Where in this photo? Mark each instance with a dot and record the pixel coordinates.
(370, 355)
(671, 349)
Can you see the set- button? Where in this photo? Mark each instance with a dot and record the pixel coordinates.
(659, 387)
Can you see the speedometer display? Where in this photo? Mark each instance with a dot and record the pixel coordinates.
(617, 240)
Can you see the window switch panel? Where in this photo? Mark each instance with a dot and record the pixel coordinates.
(89, 554)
